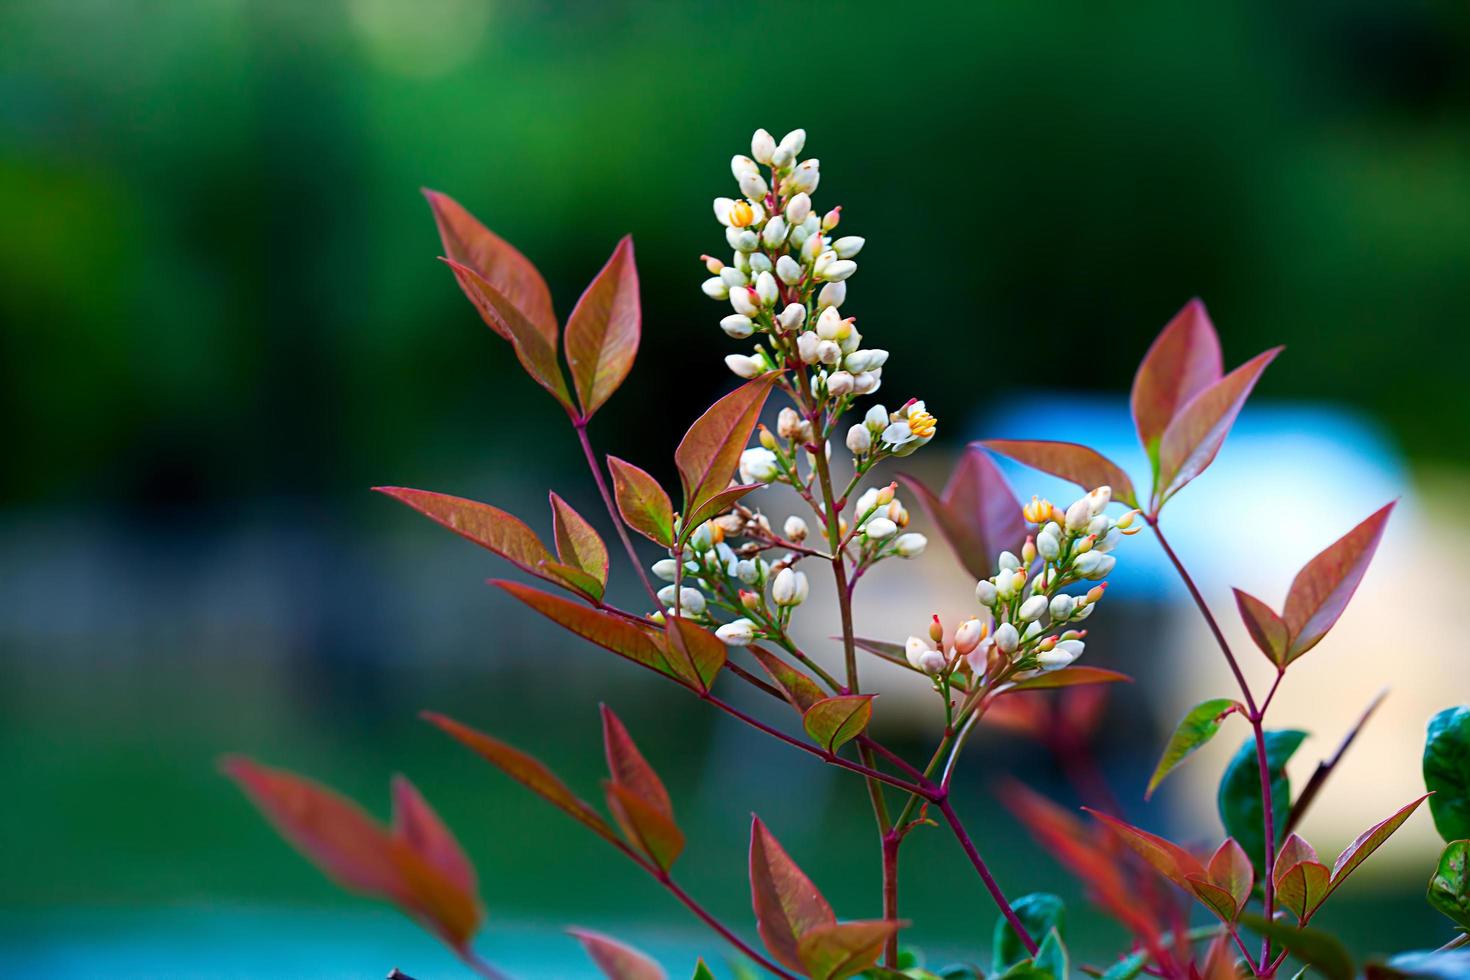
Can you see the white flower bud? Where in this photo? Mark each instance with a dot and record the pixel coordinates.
(792, 317)
(745, 366)
(1032, 608)
(811, 248)
(986, 592)
(839, 383)
(1097, 500)
(737, 632)
(758, 465)
(789, 423)
(1084, 612)
(805, 177)
(910, 545)
(722, 210)
(666, 569)
(829, 324)
(762, 145)
(859, 440)
(1108, 541)
(795, 529)
(913, 649)
(824, 258)
(1047, 546)
(775, 232)
(753, 186)
(745, 301)
(760, 262)
(867, 500)
(1008, 562)
(742, 239)
(1006, 638)
(691, 601)
(794, 142)
(865, 383)
(848, 246)
(1079, 514)
(747, 571)
(798, 208)
(833, 294)
(1104, 566)
(1062, 606)
(1054, 659)
(715, 288)
(733, 276)
(789, 270)
(790, 588)
(1072, 647)
(877, 419)
(782, 158)
(933, 662)
(737, 325)
(828, 352)
(1099, 525)
(1032, 631)
(766, 289)
(879, 528)
(702, 539)
(968, 636)
(807, 347)
(1085, 565)
(742, 166)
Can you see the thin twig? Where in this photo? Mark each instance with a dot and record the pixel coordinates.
(985, 875)
(612, 510)
(1325, 767)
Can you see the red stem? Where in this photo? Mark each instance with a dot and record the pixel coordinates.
(985, 875)
(715, 924)
(891, 840)
(580, 426)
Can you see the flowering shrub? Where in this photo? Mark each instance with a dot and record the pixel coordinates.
(733, 580)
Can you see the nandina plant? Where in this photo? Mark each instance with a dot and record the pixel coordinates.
(728, 581)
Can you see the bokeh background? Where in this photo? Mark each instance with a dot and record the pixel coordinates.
(224, 322)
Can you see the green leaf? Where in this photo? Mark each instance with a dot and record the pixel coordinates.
(831, 722)
(694, 653)
(1128, 967)
(837, 951)
(1447, 772)
(602, 332)
(577, 543)
(1051, 958)
(1449, 886)
(643, 504)
(702, 972)
(1239, 798)
(1316, 949)
(1195, 729)
(1040, 912)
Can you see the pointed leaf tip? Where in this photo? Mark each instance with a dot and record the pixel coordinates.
(1322, 589)
(977, 514)
(1182, 361)
(710, 451)
(1196, 728)
(603, 331)
(834, 721)
(617, 960)
(642, 503)
(787, 905)
(1087, 468)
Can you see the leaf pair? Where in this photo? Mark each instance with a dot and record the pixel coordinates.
(635, 796)
(797, 924)
(581, 560)
(602, 334)
(1223, 885)
(1041, 913)
(1318, 595)
(415, 864)
(1184, 406)
(1303, 882)
(977, 513)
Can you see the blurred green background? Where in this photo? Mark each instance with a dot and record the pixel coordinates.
(224, 321)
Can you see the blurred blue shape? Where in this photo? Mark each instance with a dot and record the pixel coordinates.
(1290, 479)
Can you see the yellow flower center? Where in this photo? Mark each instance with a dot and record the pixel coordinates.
(922, 424)
(741, 214)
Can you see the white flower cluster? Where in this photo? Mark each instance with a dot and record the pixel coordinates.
(880, 516)
(1024, 601)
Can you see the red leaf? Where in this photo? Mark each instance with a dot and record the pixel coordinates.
(496, 261)
(642, 502)
(1183, 361)
(526, 770)
(1303, 887)
(978, 514)
(710, 451)
(1267, 629)
(718, 503)
(787, 904)
(616, 960)
(1231, 869)
(627, 766)
(419, 827)
(1195, 435)
(694, 654)
(535, 351)
(1321, 590)
(1371, 839)
(1215, 898)
(642, 645)
(1085, 467)
(1068, 677)
(603, 330)
(1171, 860)
(489, 527)
(578, 543)
(798, 688)
(841, 950)
(834, 721)
(356, 851)
(646, 827)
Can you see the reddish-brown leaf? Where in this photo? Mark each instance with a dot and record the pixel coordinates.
(1215, 898)
(1267, 629)
(577, 543)
(534, 349)
(356, 851)
(646, 827)
(489, 527)
(495, 260)
(642, 502)
(694, 654)
(834, 721)
(1069, 677)
(419, 827)
(977, 514)
(627, 766)
(1085, 467)
(1369, 841)
(1231, 869)
(1303, 887)
(617, 961)
(1171, 860)
(1321, 590)
(798, 688)
(787, 904)
(710, 451)
(526, 770)
(1293, 850)
(717, 504)
(1198, 430)
(1183, 361)
(640, 644)
(845, 948)
(603, 330)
